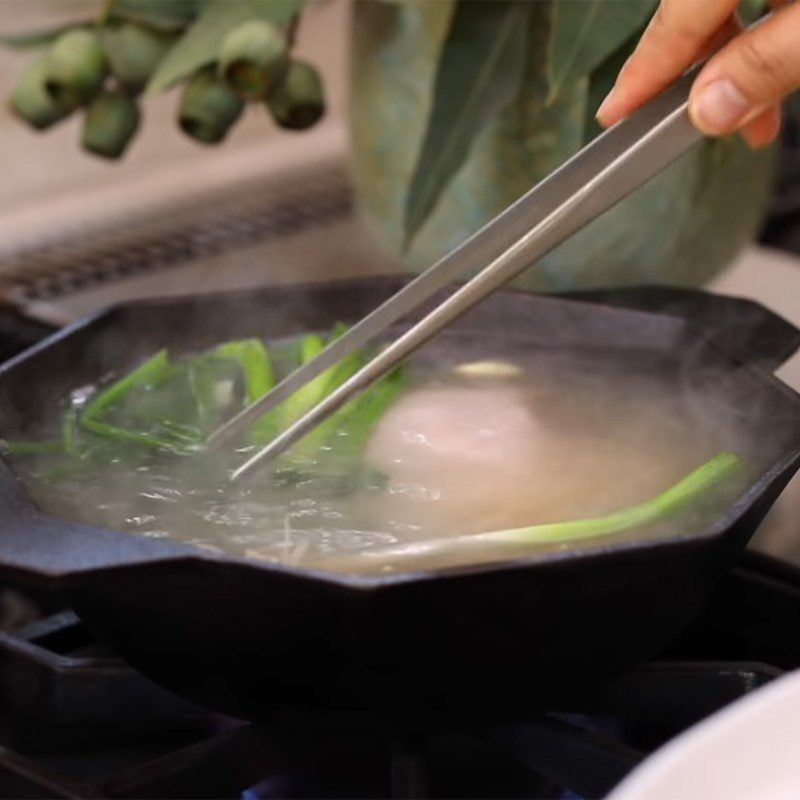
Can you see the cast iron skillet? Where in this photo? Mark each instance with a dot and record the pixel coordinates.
(491, 641)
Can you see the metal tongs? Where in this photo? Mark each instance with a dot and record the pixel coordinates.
(613, 165)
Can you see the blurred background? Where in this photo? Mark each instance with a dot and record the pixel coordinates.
(271, 206)
(70, 220)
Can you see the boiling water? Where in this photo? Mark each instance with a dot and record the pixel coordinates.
(464, 450)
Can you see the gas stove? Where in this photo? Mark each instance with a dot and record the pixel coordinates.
(77, 722)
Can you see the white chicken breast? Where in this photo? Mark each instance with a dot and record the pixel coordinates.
(463, 459)
(459, 459)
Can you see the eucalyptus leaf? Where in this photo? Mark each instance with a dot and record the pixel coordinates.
(199, 44)
(164, 15)
(395, 51)
(583, 34)
(680, 229)
(520, 146)
(479, 73)
(39, 38)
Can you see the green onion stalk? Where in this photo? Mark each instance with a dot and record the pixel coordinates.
(314, 391)
(338, 442)
(253, 358)
(10, 447)
(202, 381)
(681, 497)
(148, 374)
(108, 431)
(69, 432)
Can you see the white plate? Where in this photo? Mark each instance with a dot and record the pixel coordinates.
(750, 750)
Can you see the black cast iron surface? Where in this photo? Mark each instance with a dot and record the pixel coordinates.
(580, 749)
(266, 642)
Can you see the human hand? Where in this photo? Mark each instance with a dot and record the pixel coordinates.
(741, 86)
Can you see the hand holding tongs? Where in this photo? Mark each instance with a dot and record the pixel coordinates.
(601, 174)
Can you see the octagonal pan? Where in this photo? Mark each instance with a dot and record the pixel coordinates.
(261, 640)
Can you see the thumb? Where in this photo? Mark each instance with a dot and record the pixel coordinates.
(751, 73)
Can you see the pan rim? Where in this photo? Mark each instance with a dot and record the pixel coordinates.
(786, 462)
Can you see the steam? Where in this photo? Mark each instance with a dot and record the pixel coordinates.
(599, 434)
(599, 426)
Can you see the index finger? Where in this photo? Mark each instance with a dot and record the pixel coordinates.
(678, 34)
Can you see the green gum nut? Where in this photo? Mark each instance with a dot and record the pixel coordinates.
(208, 108)
(110, 123)
(31, 102)
(133, 52)
(74, 68)
(299, 102)
(252, 58)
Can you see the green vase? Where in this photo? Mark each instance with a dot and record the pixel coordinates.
(682, 228)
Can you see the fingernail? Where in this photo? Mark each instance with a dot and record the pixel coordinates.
(719, 107)
(606, 104)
